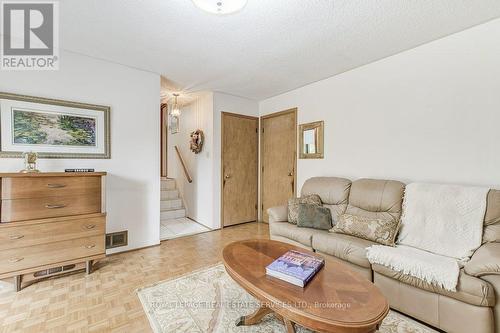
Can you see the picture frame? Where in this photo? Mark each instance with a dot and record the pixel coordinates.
(53, 128)
(311, 140)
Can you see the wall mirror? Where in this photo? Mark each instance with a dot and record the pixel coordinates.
(311, 140)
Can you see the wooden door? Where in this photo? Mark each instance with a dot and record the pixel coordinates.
(279, 159)
(239, 168)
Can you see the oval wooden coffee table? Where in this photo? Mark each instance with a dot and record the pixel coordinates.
(335, 300)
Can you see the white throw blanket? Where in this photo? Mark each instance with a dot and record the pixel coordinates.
(441, 227)
(431, 268)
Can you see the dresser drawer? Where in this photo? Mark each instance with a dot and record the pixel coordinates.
(52, 253)
(39, 208)
(13, 237)
(41, 187)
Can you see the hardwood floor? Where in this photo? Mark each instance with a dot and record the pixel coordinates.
(105, 301)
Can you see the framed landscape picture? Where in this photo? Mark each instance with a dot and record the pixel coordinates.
(53, 128)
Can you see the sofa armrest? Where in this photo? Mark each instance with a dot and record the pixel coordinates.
(278, 214)
(485, 261)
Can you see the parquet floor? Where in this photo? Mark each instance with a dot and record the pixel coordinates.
(105, 301)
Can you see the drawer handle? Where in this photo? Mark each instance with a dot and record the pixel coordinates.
(13, 260)
(16, 237)
(54, 206)
(90, 246)
(90, 226)
(55, 185)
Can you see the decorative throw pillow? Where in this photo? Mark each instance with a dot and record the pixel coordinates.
(377, 230)
(293, 205)
(314, 216)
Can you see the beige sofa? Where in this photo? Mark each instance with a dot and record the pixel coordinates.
(472, 308)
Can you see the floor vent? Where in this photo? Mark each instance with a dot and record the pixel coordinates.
(117, 239)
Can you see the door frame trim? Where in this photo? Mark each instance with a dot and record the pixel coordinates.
(163, 141)
(293, 111)
(223, 113)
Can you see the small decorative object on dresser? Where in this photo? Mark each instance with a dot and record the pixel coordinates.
(51, 223)
(30, 162)
(196, 143)
(79, 170)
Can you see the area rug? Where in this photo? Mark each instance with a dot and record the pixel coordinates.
(6, 287)
(209, 300)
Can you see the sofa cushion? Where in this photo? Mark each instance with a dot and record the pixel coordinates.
(485, 261)
(289, 241)
(333, 192)
(314, 216)
(293, 205)
(377, 199)
(345, 247)
(382, 231)
(470, 289)
(491, 232)
(278, 214)
(291, 231)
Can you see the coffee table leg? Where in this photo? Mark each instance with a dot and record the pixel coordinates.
(290, 327)
(254, 318)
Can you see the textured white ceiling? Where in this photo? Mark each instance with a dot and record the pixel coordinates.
(270, 47)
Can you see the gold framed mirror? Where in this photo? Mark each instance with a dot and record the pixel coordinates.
(311, 137)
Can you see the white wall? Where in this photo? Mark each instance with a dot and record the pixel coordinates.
(198, 196)
(133, 188)
(428, 114)
(233, 104)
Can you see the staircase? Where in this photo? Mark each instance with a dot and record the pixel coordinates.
(171, 206)
(173, 220)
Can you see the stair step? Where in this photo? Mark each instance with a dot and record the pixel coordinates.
(172, 214)
(169, 194)
(168, 184)
(170, 204)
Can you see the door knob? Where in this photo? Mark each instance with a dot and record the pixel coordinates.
(290, 174)
(227, 176)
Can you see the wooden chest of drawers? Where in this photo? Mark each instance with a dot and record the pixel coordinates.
(51, 223)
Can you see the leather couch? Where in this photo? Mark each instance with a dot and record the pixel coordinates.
(472, 308)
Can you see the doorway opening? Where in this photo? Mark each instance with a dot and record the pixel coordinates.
(181, 176)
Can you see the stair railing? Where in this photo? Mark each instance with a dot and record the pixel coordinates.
(186, 172)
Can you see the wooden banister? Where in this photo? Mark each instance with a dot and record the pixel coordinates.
(186, 172)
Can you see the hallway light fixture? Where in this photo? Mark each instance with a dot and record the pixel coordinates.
(175, 111)
(220, 7)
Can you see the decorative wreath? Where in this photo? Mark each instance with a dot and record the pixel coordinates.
(196, 143)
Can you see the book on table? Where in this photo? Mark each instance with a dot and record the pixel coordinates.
(295, 267)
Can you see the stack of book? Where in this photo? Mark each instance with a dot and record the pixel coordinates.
(295, 267)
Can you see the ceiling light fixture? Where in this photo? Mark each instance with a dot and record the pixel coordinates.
(175, 111)
(220, 7)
